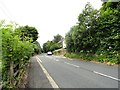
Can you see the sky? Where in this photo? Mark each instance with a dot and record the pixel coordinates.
(49, 17)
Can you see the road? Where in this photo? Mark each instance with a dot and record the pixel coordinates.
(69, 73)
(36, 77)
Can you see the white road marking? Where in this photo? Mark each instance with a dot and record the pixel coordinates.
(57, 60)
(38, 59)
(72, 64)
(107, 76)
(52, 82)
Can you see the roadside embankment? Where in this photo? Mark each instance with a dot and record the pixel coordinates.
(106, 59)
(94, 58)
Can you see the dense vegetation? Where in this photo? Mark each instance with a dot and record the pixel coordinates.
(27, 33)
(18, 45)
(96, 36)
(56, 43)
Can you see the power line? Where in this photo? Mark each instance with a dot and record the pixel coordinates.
(8, 14)
(5, 10)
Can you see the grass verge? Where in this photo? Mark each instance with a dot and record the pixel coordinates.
(109, 60)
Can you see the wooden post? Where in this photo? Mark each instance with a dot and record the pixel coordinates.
(62, 47)
(11, 74)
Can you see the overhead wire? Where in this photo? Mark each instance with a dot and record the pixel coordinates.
(6, 11)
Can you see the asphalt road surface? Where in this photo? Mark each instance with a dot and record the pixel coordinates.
(69, 73)
(36, 76)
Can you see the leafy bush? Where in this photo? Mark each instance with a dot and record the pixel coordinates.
(15, 54)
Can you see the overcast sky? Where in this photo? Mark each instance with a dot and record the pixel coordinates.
(50, 17)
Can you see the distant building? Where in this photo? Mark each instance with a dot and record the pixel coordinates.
(64, 45)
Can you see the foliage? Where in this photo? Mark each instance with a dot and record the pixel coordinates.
(109, 31)
(56, 43)
(14, 52)
(97, 33)
(60, 51)
(37, 48)
(57, 38)
(94, 57)
(27, 33)
(70, 45)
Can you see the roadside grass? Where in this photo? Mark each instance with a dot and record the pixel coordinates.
(107, 58)
(59, 52)
(79, 56)
(93, 57)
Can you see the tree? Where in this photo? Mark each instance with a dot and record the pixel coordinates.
(97, 33)
(109, 22)
(54, 44)
(82, 36)
(37, 48)
(69, 41)
(27, 33)
(57, 38)
(45, 49)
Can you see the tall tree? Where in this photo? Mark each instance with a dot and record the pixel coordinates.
(97, 32)
(27, 32)
(57, 38)
(37, 48)
(69, 41)
(54, 44)
(109, 24)
(84, 33)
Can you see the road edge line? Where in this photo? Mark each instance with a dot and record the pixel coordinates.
(39, 59)
(52, 82)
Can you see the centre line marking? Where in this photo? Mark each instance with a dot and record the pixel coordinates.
(107, 76)
(57, 60)
(72, 64)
